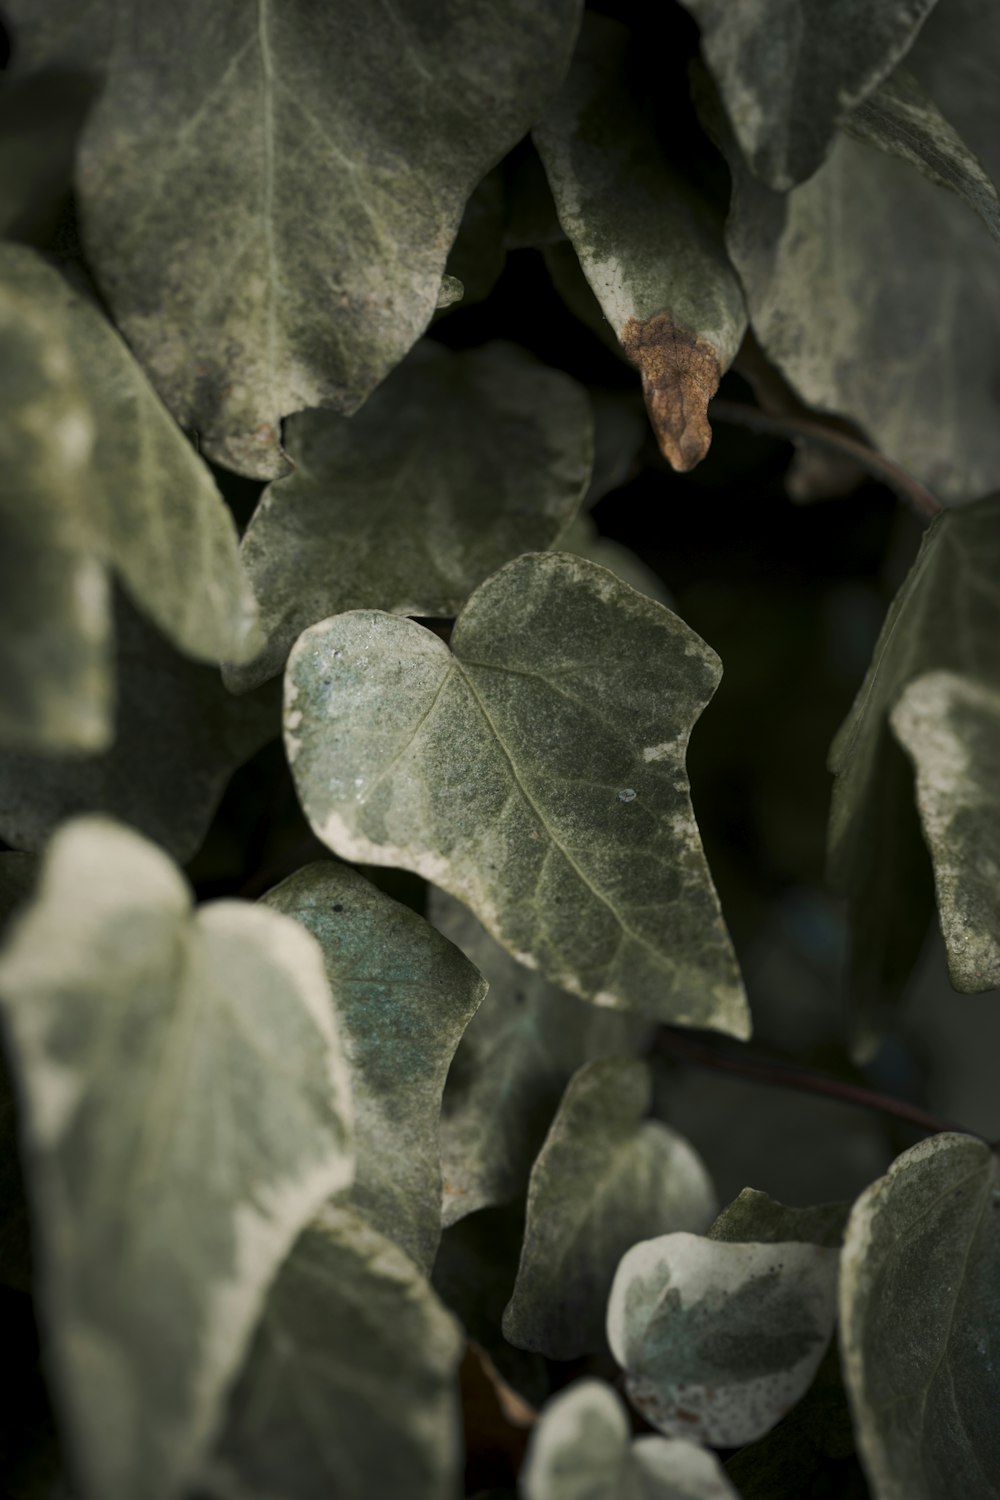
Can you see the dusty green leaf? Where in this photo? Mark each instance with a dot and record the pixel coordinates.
(536, 771)
(403, 996)
(185, 1114)
(178, 738)
(877, 296)
(582, 1449)
(40, 120)
(920, 1322)
(648, 241)
(351, 1385)
(718, 1340)
(55, 640)
(901, 119)
(519, 1052)
(457, 464)
(270, 190)
(605, 1177)
(790, 74)
(945, 621)
(755, 1218)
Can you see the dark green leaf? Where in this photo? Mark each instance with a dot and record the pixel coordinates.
(755, 1218)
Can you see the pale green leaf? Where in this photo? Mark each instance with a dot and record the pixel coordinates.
(920, 1323)
(178, 738)
(536, 771)
(755, 1218)
(403, 997)
(185, 1114)
(950, 726)
(648, 241)
(582, 1449)
(901, 119)
(877, 296)
(718, 1340)
(791, 73)
(519, 1052)
(945, 619)
(351, 1386)
(605, 1178)
(150, 504)
(457, 464)
(270, 188)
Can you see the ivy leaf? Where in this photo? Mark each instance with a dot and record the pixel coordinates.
(582, 1448)
(178, 738)
(351, 1385)
(920, 1318)
(719, 1339)
(790, 76)
(605, 1178)
(268, 220)
(457, 464)
(185, 1113)
(518, 1053)
(583, 539)
(403, 996)
(648, 241)
(756, 1218)
(899, 118)
(536, 771)
(944, 620)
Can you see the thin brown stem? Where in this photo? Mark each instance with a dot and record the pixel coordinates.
(786, 1075)
(812, 430)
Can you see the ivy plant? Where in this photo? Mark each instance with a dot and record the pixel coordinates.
(500, 750)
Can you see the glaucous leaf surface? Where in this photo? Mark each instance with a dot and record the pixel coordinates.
(756, 1218)
(718, 1340)
(536, 771)
(270, 190)
(403, 996)
(351, 1384)
(901, 119)
(185, 1112)
(458, 463)
(649, 243)
(178, 738)
(605, 1177)
(944, 621)
(790, 73)
(582, 1449)
(516, 1057)
(950, 727)
(877, 296)
(55, 641)
(920, 1322)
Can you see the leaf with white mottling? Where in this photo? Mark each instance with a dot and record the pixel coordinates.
(718, 1340)
(605, 1178)
(536, 771)
(756, 1218)
(582, 1449)
(920, 1322)
(351, 1385)
(648, 241)
(270, 188)
(458, 463)
(403, 996)
(185, 1114)
(790, 73)
(519, 1052)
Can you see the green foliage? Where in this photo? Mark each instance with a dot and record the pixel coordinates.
(326, 333)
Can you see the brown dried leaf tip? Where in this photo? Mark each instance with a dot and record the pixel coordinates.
(680, 375)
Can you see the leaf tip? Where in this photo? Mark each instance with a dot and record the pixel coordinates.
(680, 375)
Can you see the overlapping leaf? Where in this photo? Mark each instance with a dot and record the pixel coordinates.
(756, 1218)
(582, 1448)
(185, 1114)
(457, 464)
(404, 996)
(536, 771)
(790, 74)
(350, 1388)
(648, 241)
(920, 1322)
(270, 190)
